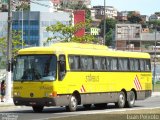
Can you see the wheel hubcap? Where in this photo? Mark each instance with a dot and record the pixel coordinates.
(132, 98)
(121, 99)
(73, 102)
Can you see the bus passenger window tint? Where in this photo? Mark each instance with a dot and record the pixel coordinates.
(147, 65)
(98, 65)
(132, 64)
(103, 63)
(136, 64)
(87, 63)
(123, 64)
(114, 64)
(108, 63)
(74, 62)
(71, 62)
(142, 65)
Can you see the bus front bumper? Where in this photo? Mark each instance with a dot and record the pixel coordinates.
(57, 101)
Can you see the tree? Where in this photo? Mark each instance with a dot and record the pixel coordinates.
(16, 44)
(109, 37)
(66, 33)
(24, 6)
(154, 23)
(3, 45)
(110, 26)
(133, 17)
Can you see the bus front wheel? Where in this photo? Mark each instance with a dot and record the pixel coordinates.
(37, 108)
(121, 100)
(72, 104)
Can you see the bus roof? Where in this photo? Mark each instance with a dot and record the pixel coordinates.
(81, 49)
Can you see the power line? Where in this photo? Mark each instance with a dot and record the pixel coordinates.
(44, 5)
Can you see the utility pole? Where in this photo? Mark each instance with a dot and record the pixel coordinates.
(155, 54)
(22, 26)
(9, 54)
(104, 32)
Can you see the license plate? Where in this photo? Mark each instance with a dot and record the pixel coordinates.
(32, 103)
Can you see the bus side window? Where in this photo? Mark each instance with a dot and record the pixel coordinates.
(142, 65)
(62, 67)
(147, 65)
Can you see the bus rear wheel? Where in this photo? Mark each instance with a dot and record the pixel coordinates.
(72, 104)
(121, 100)
(37, 108)
(131, 100)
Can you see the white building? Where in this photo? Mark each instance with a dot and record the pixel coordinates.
(110, 12)
(42, 6)
(154, 17)
(34, 25)
(3, 24)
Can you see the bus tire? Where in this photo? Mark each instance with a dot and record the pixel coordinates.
(37, 109)
(72, 104)
(121, 100)
(131, 100)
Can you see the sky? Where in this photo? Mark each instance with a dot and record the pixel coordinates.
(146, 7)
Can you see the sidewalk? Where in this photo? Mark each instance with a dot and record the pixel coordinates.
(10, 104)
(6, 104)
(155, 94)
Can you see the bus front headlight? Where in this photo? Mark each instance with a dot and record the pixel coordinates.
(16, 93)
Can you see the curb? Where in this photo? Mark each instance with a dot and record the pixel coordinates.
(5, 104)
(155, 94)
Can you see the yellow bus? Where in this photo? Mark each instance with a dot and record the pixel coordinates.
(72, 74)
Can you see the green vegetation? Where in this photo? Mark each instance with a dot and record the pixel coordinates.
(157, 87)
(110, 27)
(24, 6)
(16, 45)
(66, 33)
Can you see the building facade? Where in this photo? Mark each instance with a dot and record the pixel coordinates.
(154, 17)
(42, 6)
(33, 25)
(127, 36)
(110, 12)
(3, 24)
(132, 37)
(122, 16)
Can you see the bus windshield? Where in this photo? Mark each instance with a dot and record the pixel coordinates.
(35, 67)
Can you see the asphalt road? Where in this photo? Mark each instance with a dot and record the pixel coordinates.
(26, 113)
